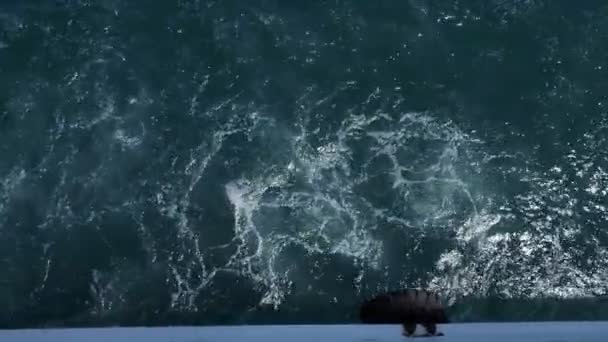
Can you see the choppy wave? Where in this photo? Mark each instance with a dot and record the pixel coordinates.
(215, 159)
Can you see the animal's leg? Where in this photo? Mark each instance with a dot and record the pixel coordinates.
(408, 329)
(431, 329)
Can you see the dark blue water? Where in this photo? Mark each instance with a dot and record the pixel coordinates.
(204, 162)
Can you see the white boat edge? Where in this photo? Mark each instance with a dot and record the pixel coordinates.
(558, 331)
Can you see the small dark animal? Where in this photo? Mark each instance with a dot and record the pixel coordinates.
(407, 307)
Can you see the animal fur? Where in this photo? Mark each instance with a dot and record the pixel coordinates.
(407, 307)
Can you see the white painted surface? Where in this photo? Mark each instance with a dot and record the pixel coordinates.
(461, 332)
